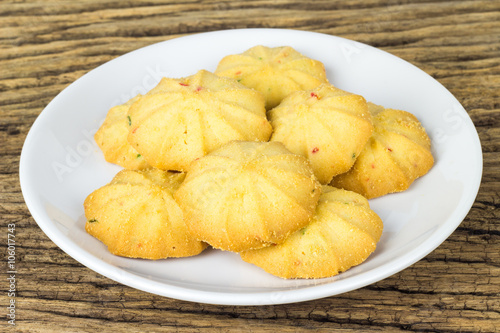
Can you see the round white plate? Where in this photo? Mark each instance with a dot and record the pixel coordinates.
(61, 165)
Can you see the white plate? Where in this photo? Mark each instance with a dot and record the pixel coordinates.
(61, 165)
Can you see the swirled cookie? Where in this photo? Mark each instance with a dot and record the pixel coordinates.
(111, 137)
(397, 153)
(274, 71)
(327, 125)
(184, 119)
(135, 215)
(342, 234)
(248, 195)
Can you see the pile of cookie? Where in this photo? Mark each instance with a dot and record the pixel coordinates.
(263, 157)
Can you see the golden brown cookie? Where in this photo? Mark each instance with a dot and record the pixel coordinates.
(342, 234)
(398, 152)
(248, 195)
(112, 138)
(327, 125)
(184, 119)
(274, 71)
(136, 216)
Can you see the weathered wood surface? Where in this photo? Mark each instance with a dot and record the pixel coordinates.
(46, 45)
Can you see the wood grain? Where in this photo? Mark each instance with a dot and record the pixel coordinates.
(46, 45)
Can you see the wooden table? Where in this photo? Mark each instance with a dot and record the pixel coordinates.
(47, 45)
